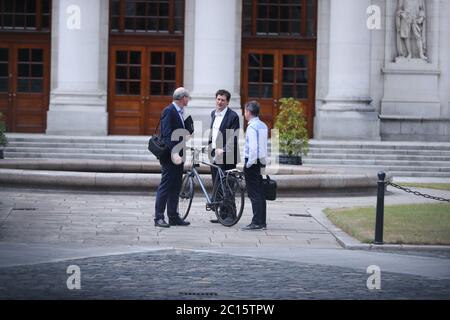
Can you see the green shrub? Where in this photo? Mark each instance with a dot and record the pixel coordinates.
(291, 125)
(3, 139)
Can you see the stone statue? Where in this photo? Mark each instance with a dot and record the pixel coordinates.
(411, 23)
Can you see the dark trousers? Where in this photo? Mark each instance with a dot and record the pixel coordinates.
(168, 190)
(224, 167)
(220, 164)
(255, 191)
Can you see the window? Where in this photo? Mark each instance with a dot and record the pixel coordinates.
(295, 76)
(286, 18)
(128, 72)
(4, 79)
(260, 75)
(162, 73)
(25, 15)
(147, 16)
(30, 66)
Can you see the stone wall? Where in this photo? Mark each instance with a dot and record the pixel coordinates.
(414, 106)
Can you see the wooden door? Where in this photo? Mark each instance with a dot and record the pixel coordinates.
(6, 85)
(260, 82)
(297, 80)
(269, 75)
(24, 86)
(165, 65)
(126, 90)
(141, 83)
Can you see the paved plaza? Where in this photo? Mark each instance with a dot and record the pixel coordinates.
(111, 238)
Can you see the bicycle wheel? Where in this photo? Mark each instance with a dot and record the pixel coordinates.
(186, 195)
(229, 197)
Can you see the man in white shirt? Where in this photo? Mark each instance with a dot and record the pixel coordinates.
(223, 140)
(255, 152)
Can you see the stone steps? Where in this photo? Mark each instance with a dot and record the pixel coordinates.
(396, 171)
(391, 145)
(93, 156)
(414, 159)
(112, 146)
(374, 156)
(407, 152)
(402, 158)
(380, 162)
(76, 150)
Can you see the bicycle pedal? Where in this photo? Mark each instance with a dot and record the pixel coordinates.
(208, 208)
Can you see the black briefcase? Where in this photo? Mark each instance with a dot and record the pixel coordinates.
(270, 188)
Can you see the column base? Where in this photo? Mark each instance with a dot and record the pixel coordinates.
(77, 113)
(332, 123)
(411, 109)
(414, 129)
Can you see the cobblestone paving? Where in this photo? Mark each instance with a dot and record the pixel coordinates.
(31, 220)
(175, 274)
(43, 216)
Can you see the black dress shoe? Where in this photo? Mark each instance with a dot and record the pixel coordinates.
(228, 220)
(252, 226)
(178, 222)
(161, 223)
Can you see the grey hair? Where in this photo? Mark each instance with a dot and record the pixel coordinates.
(253, 107)
(180, 93)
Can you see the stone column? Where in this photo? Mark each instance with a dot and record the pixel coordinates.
(346, 111)
(78, 99)
(213, 46)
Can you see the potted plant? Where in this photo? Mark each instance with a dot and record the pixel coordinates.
(3, 139)
(292, 131)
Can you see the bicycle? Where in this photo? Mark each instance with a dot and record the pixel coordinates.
(228, 196)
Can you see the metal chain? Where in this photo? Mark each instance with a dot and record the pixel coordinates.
(417, 193)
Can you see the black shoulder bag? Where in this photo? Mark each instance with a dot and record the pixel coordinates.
(157, 146)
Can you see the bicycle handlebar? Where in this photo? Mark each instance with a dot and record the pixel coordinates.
(201, 149)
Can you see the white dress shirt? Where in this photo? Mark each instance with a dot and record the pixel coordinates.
(180, 112)
(216, 125)
(256, 137)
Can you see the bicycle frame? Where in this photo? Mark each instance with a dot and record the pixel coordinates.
(227, 198)
(194, 171)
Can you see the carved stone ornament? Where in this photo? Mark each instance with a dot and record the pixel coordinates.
(411, 22)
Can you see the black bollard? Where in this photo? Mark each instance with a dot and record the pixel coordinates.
(380, 209)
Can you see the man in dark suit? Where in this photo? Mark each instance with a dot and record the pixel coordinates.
(172, 123)
(223, 138)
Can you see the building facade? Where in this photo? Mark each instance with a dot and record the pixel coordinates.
(108, 67)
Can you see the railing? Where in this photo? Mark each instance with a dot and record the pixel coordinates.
(382, 184)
